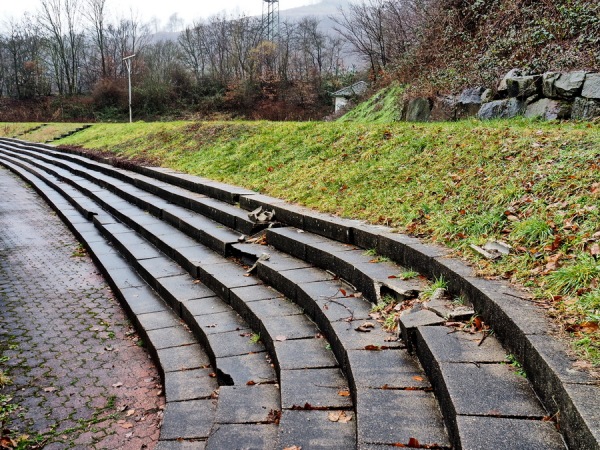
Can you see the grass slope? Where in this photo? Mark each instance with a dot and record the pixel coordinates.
(534, 185)
(383, 107)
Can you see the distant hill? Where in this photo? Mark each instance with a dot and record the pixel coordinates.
(322, 11)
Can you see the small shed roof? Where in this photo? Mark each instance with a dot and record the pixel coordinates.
(354, 89)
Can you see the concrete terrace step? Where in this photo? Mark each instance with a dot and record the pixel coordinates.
(133, 187)
(478, 391)
(323, 245)
(308, 372)
(175, 350)
(384, 379)
(366, 271)
(232, 355)
(299, 359)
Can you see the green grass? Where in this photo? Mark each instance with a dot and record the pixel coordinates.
(16, 129)
(576, 276)
(438, 283)
(384, 107)
(532, 184)
(409, 274)
(532, 231)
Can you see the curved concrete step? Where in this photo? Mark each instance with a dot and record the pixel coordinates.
(517, 324)
(479, 390)
(186, 388)
(291, 280)
(183, 364)
(132, 187)
(310, 376)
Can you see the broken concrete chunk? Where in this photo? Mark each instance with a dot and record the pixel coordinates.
(260, 215)
(498, 246)
(485, 253)
(262, 257)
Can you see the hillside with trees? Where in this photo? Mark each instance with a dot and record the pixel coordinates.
(65, 63)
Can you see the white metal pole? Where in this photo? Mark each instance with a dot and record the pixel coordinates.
(128, 64)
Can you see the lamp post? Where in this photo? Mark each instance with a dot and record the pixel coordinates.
(127, 61)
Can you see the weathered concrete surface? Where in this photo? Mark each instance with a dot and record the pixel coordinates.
(70, 350)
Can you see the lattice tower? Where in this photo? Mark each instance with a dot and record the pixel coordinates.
(271, 20)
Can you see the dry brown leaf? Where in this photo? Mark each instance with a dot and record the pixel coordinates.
(344, 393)
(126, 425)
(130, 413)
(339, 416)
(413, 442)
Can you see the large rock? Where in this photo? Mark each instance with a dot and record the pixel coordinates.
(503, 86)
(419, 110)
(501, 109)
(444, 108)
(469, 102)
(591, 86)
(487, 96)
(549, 109)
(548, 80)
(524, 87)
(471, 96)
(585, 108)
(566, 85)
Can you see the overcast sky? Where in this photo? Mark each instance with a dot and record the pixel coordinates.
(188, 10)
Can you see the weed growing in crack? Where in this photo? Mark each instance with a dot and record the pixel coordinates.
(409, 274)
(512, 360)
(438, 283)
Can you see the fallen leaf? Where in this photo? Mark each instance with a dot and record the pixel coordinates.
(417, 378)
(116, 385)
(126, 425)
(274, 416)
(293, 447)
(343, 292)
(339, 416)
(344, 393)
(373, 348)
(50, 389)
(250, 383)
(130, 413)
(412, 442)
(280, 338)
(595, 250)
(128, 435)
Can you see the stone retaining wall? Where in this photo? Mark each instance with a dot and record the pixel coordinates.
(552, 95)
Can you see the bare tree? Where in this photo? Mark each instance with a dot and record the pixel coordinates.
(60, 19)
(194, 56)
(96, 15)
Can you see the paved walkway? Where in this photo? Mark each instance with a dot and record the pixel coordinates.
(78, 375)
